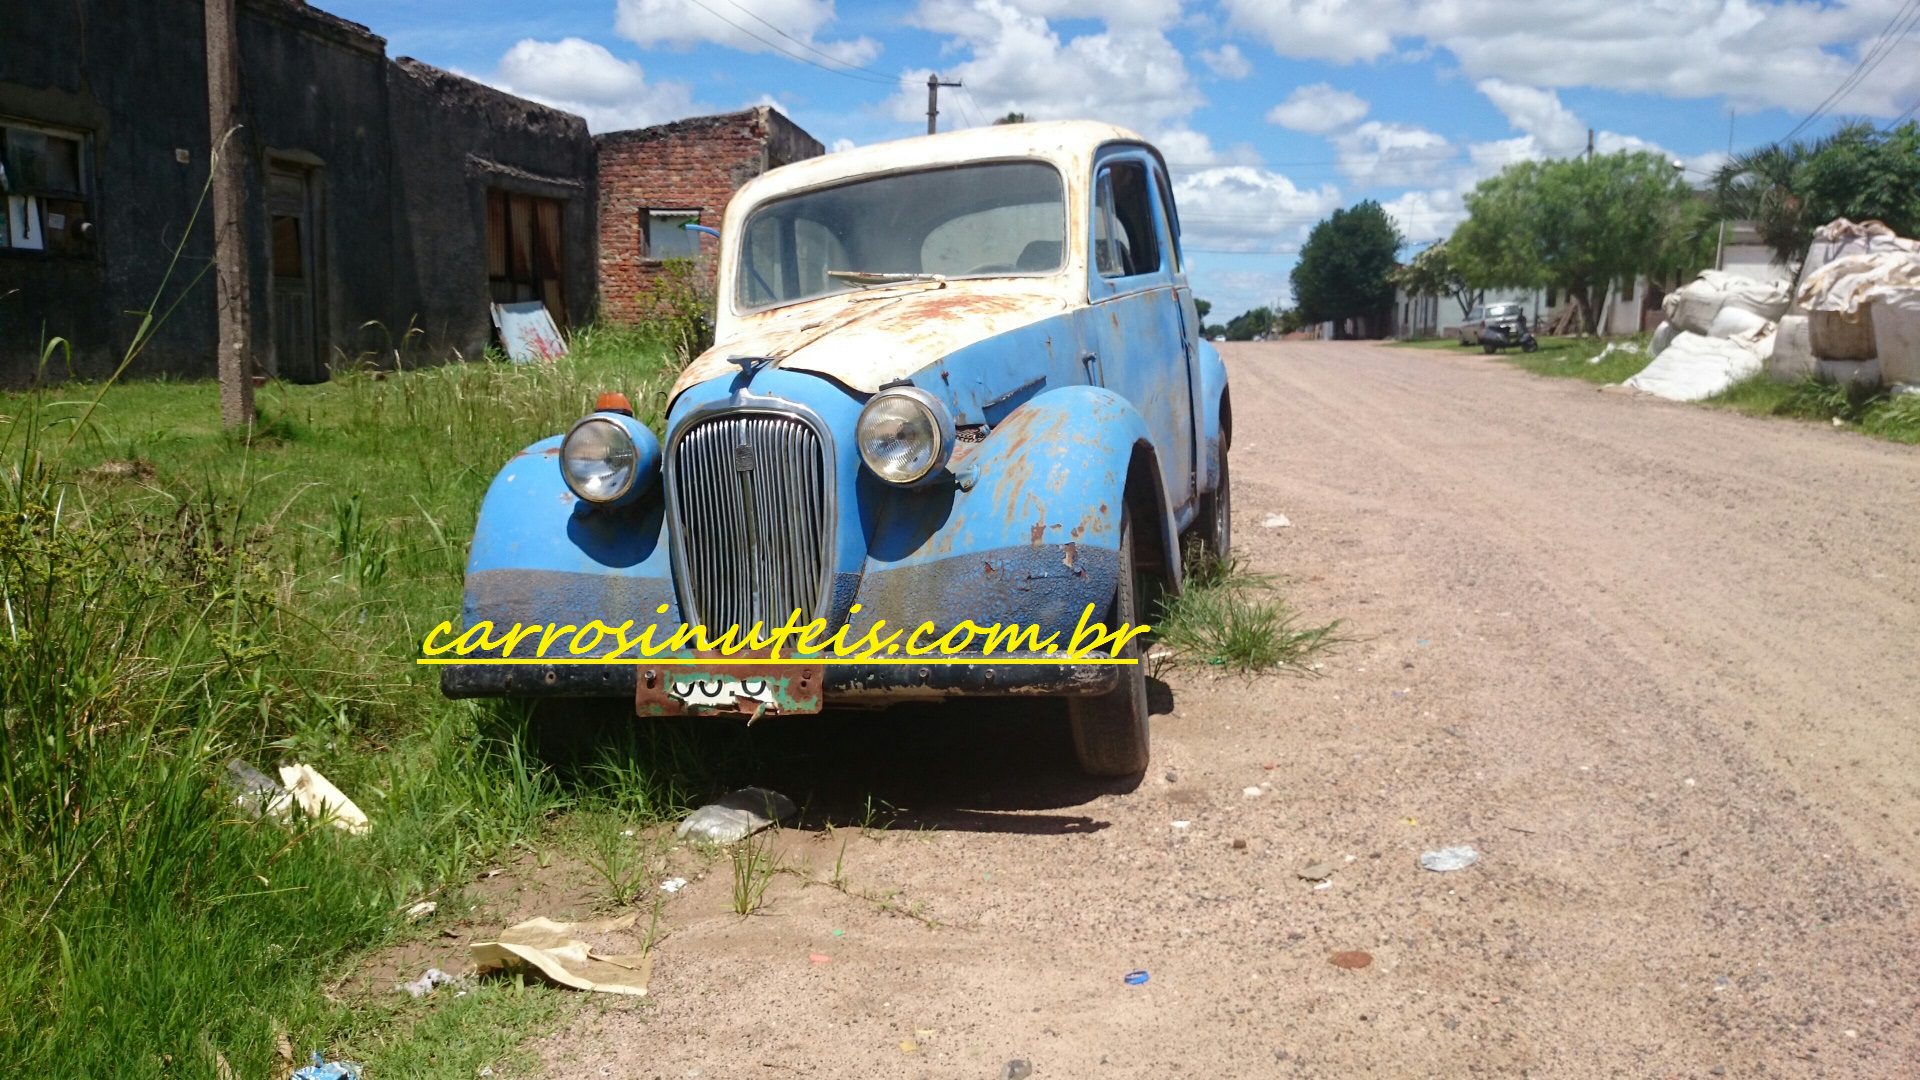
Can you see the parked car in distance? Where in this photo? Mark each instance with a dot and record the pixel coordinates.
(1469, 329)
(957, 377)
(1505, 326)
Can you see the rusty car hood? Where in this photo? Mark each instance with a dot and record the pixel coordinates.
(868, 338)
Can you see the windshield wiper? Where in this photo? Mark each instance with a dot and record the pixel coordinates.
(875, 277)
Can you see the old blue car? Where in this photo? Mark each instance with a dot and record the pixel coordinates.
(957, 377)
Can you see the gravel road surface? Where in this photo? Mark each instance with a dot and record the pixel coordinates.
(1659, 665)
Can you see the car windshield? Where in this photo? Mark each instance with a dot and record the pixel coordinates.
(987, 220)
(1501, 311)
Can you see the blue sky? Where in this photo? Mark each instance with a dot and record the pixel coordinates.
(1274, 112)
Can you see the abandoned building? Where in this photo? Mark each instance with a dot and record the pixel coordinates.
(382, 194)
(654, 181)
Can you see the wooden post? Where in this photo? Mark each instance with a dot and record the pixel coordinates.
(231, 284)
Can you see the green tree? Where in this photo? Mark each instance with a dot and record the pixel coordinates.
(1433, 273)
(1344, 266)
(1250, 324)
(1578, 225)
(1201, 307)
(1787, 190)
(1012, 118)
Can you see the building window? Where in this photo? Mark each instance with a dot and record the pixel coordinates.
(526, 255)
(43, 171)
(667, 234)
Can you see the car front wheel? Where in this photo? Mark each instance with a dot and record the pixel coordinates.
(1110, 731)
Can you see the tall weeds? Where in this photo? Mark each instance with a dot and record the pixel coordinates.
(257, 597)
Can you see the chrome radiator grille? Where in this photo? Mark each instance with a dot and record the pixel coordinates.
(752, 519)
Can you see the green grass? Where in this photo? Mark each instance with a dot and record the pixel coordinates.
(1230, 617)
(173, 596)
(1562, 357)
(1895, 417)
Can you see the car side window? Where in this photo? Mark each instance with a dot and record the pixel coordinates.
(1123, 233)
(1171, 215)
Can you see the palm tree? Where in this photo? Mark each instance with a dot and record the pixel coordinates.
(1770, 187)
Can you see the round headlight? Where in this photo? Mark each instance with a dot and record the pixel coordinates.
(904, 435)
(598, 460)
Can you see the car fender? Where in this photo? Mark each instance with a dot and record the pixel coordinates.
(1215, 416)
(1028, 531)
(541, 554)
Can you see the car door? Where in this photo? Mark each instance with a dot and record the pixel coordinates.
(1140, 319)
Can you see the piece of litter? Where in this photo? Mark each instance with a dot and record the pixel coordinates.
(1017, 1069)
(1323, 885)
(1351, 959)
(1319, 871)
(908, 1046)
(839, 933)
(322, 1069)
(626, 832)
(254, 791)
(428, 982)
(1275, 521)
(1182, 824)
(1239, 845)
(1252, 792)
(1446, 859)
(421, 910)
(819, 958)
(558, 951)
(735, 816)
(673, 884)
(319, 799)
(1137, 978)
(923, 1033)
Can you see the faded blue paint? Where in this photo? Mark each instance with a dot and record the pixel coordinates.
(1213, 399)
(540, 554)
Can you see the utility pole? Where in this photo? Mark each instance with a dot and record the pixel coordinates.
(1589, 146)
(933, 101)
(1720, 245)
(232, 296)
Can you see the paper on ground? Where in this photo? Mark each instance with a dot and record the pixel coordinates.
(321, 801)
(556, 950)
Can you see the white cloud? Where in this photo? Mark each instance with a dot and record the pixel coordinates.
(1245, 208)
(759, 26)
(1234, 291)
(840, 146)
(1116, 12)
(1378, 154)
(1318, 109)
(1759, 54)
(1128, 73)
(1535, 111)
(1227, 62)
(583, 78)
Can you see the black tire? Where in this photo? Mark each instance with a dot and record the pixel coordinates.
(1215, 524)
(1110, 731)
(1488, 349)
(1530, 345)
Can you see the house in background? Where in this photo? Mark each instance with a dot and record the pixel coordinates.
(653, 181)
(382, 195)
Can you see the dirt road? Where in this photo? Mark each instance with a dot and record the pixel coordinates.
(1660, 665)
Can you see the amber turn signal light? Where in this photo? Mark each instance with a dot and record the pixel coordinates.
(614, 402)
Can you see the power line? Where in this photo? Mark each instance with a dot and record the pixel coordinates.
(789, 53)
(1883, 48)
(809, 46)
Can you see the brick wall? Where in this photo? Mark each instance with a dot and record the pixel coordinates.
(694, 164)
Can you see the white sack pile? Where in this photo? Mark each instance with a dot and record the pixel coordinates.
(1861, 294)
(1719, 330)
